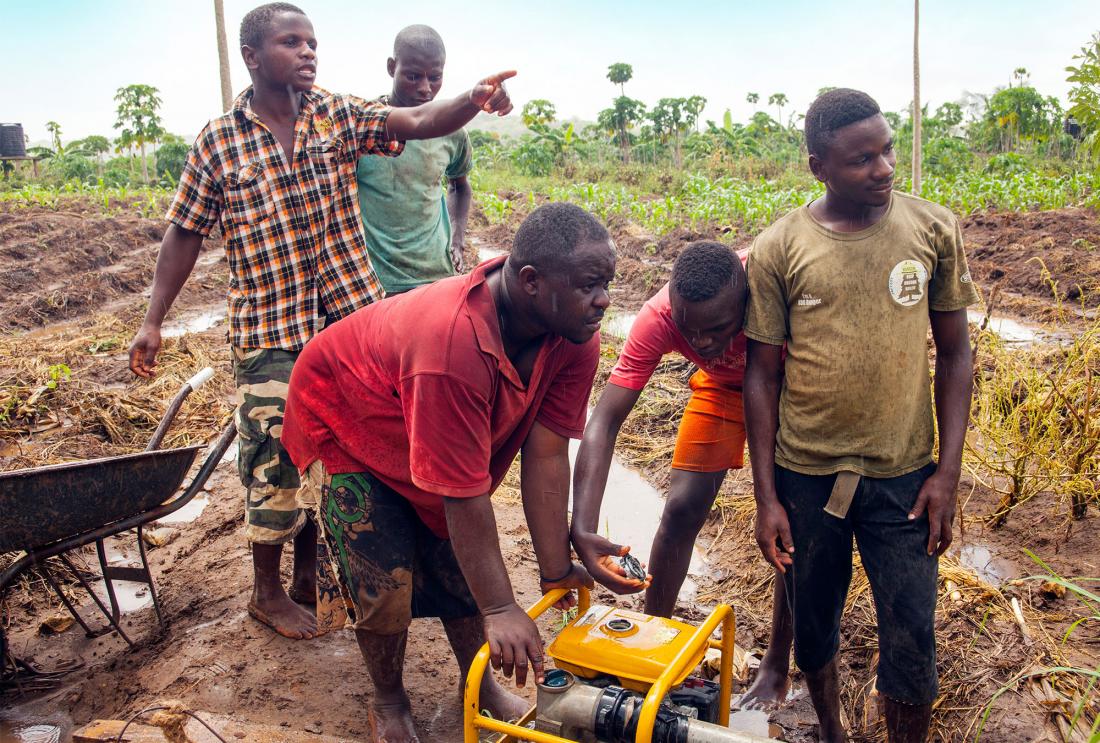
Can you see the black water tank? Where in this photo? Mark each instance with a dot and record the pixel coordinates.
(11, 140)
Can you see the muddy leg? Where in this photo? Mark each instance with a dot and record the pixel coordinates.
(270, 603)
(467, 636)
(690, 496)
(390, 714)
(769, 688)
(824, 686)
(906, 723)
(304, 586)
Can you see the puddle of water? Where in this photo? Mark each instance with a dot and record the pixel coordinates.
(987, 566)
(618, 324)
(188, 513)
(231, 453)
(630, 514)
(485, 254)
(132, 596)
(193, 323)
(116, 553)
(30, 732)
(1011, 331)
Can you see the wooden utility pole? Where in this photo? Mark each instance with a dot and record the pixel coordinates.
(916, 98)
(223, 56)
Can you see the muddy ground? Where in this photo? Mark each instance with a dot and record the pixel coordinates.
(75, 279)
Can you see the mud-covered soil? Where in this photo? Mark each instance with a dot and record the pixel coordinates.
(1045, 256)
(210, 654)
(218, 660)
(57, 265)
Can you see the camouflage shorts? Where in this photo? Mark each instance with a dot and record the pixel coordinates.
(378, 565)
(269, 477)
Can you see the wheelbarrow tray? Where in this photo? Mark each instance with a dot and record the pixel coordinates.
(44, 505)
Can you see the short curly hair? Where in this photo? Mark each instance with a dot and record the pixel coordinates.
(550, 234)
(703, 268)
(256, 22)
(833, 110)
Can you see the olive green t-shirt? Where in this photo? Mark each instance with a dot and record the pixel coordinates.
(852, 308)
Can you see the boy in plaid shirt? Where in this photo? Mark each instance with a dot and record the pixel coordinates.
(277, 172)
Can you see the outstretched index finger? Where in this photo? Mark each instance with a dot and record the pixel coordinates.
(500, 77)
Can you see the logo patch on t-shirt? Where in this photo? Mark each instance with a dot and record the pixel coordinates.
(965, 278)
(907, 282)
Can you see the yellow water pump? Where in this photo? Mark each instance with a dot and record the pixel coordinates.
(621, 677)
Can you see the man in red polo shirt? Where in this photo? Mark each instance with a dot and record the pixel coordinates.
(405, 417)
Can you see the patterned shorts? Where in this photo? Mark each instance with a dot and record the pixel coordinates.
(270, 479)
(378, 565)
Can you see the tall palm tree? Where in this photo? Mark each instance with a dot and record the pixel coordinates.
(223, 55)
(916, 99)
(55, 134)
(779, 100)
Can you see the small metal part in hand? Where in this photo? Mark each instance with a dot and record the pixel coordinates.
(633, 568)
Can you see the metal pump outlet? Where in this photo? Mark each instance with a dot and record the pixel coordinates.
(578, 711)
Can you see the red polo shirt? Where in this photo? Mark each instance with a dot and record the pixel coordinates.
(417, 390)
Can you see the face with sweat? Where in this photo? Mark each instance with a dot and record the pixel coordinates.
(710, 324)
(288, 54)
(570, 299)
(858, 162)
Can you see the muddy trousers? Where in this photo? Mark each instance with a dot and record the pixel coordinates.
(378, 565)
(893, 551)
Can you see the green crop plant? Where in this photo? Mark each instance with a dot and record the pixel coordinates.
(496, 209)
(148, 202)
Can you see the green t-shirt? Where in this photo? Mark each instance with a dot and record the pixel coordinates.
(404, 210)
(853, 311)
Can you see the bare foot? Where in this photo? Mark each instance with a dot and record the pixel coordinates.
(501, 703)
(768, 690)
(284, 616)
(392, 724)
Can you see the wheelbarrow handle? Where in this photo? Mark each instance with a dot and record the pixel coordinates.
(188, 387)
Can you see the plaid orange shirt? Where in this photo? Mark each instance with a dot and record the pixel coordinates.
(293, 236)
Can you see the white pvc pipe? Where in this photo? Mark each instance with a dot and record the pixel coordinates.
(201, 378)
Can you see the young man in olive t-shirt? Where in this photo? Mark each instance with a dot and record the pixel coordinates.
(841, 437)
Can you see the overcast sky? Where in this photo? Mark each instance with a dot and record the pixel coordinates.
(70, 56)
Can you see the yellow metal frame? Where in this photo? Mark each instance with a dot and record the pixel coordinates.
(473, 721)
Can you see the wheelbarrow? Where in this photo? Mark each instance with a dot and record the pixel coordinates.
(51, 510)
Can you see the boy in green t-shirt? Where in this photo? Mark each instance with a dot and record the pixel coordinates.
(414, 232)
(841, 436)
